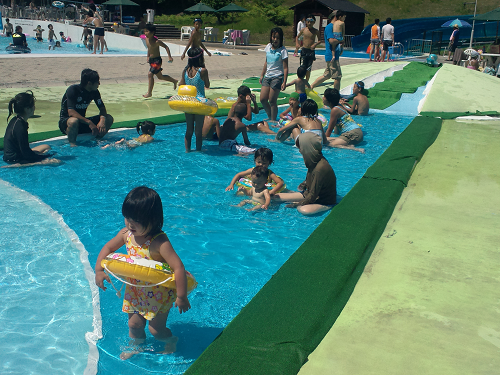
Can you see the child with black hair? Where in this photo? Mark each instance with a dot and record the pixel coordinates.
(195, 40)
(341, 123)
(263, 157)
(195, 74)
(154, 59)
(145, 129)
(293, 110)
(17, 151)
(261, 199)
(38, 33)
(307, 122)
(274, 73)
(300, 83)
(143, 237)
(246, 97)
(51, 37)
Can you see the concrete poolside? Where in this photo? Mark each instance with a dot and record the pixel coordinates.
(427, 301)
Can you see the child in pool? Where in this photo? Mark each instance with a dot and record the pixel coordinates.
(63, 38)
(293, 110)
(38, 33)
(308, 122)
(143, 236)
(51, 37)
(145, 129)
(260, 195)
(17, 151)
(301, 84)
(263, 157)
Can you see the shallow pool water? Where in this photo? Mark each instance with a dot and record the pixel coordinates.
(232, 252)
(75, 47)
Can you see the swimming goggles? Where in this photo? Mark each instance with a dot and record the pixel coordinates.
(310, 19)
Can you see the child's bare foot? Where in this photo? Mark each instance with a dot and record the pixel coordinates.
(175, 84)
(134, 349)
(148, 95)
(126, 355)
(170, 345)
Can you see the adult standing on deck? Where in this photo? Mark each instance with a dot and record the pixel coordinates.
(387, 37)
(375, 41)
(332, 64)
(95, 19)
(454, 38)
(72, 120)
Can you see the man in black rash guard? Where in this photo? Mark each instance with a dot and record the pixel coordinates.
(72, 120)
(18, 38)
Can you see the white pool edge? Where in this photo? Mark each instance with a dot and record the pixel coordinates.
(96, 334)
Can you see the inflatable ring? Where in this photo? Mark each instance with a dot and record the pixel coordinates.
(311, 94)
(246, 182)
(186, 101)
(144, 269)
(226, 102)
(17, 49)
(58, 4)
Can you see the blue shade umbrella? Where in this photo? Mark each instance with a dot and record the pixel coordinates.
(456, 21)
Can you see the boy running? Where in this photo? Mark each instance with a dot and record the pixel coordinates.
(154, 59)
(196, 39)
(307, 53)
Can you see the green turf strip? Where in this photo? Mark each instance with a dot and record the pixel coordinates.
(386, 93)
(276, 331)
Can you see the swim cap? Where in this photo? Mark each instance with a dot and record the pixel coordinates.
(295, 95)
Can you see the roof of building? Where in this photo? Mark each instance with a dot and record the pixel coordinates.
(344, 5)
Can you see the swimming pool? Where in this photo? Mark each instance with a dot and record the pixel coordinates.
(72, 48)
(231, 252)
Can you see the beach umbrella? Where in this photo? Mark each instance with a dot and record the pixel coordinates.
(120, 3)
(232, 8)
(459, 23)
(199, 8)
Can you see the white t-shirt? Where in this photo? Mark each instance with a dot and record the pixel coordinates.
(274, 59)
(387, 32)
(300, 26)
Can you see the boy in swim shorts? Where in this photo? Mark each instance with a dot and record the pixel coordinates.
(360, 105)
(38, 32)
(51, 37)
(300, 83)
(195, 41)
(307, 53)
(154, 59)
(246, 97)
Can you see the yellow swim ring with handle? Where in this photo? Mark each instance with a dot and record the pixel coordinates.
(143, 269)
(311, 94)
(186, 101)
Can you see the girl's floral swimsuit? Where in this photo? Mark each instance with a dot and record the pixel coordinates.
(145, 301)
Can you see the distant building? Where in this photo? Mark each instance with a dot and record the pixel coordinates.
(321, 9)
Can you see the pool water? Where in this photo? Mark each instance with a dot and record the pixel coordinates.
(75, 47)
(231, 252)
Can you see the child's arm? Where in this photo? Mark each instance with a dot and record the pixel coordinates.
(267, 197)
(255, 108)
(237, 177)
(231, 111)
(264, 69)
(168, 253)
(166, 49)
(308, 85)
(188, 45)
(283, 114)
(204, 48)
(182, 81)
(279, 183)
(332, 124)
(291, 83)
(285, 73)
(297, 44)
(317, 35)
(248, 116)
(109, 248)
(204, 77)
(245, 135)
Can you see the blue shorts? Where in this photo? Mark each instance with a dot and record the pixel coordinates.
(302, 97)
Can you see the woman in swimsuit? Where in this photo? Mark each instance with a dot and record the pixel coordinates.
(341, 123)
(308, 122)
(95, 19)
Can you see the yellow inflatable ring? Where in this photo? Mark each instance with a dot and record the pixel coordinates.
(246, 182)
(144, 269)
(226, 102)
(311, 94)
(186, 102)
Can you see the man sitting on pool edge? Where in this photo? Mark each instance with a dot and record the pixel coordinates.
(72, 120)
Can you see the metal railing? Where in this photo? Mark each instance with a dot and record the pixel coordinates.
(348, 42)
(42, 13)
(418, 46)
